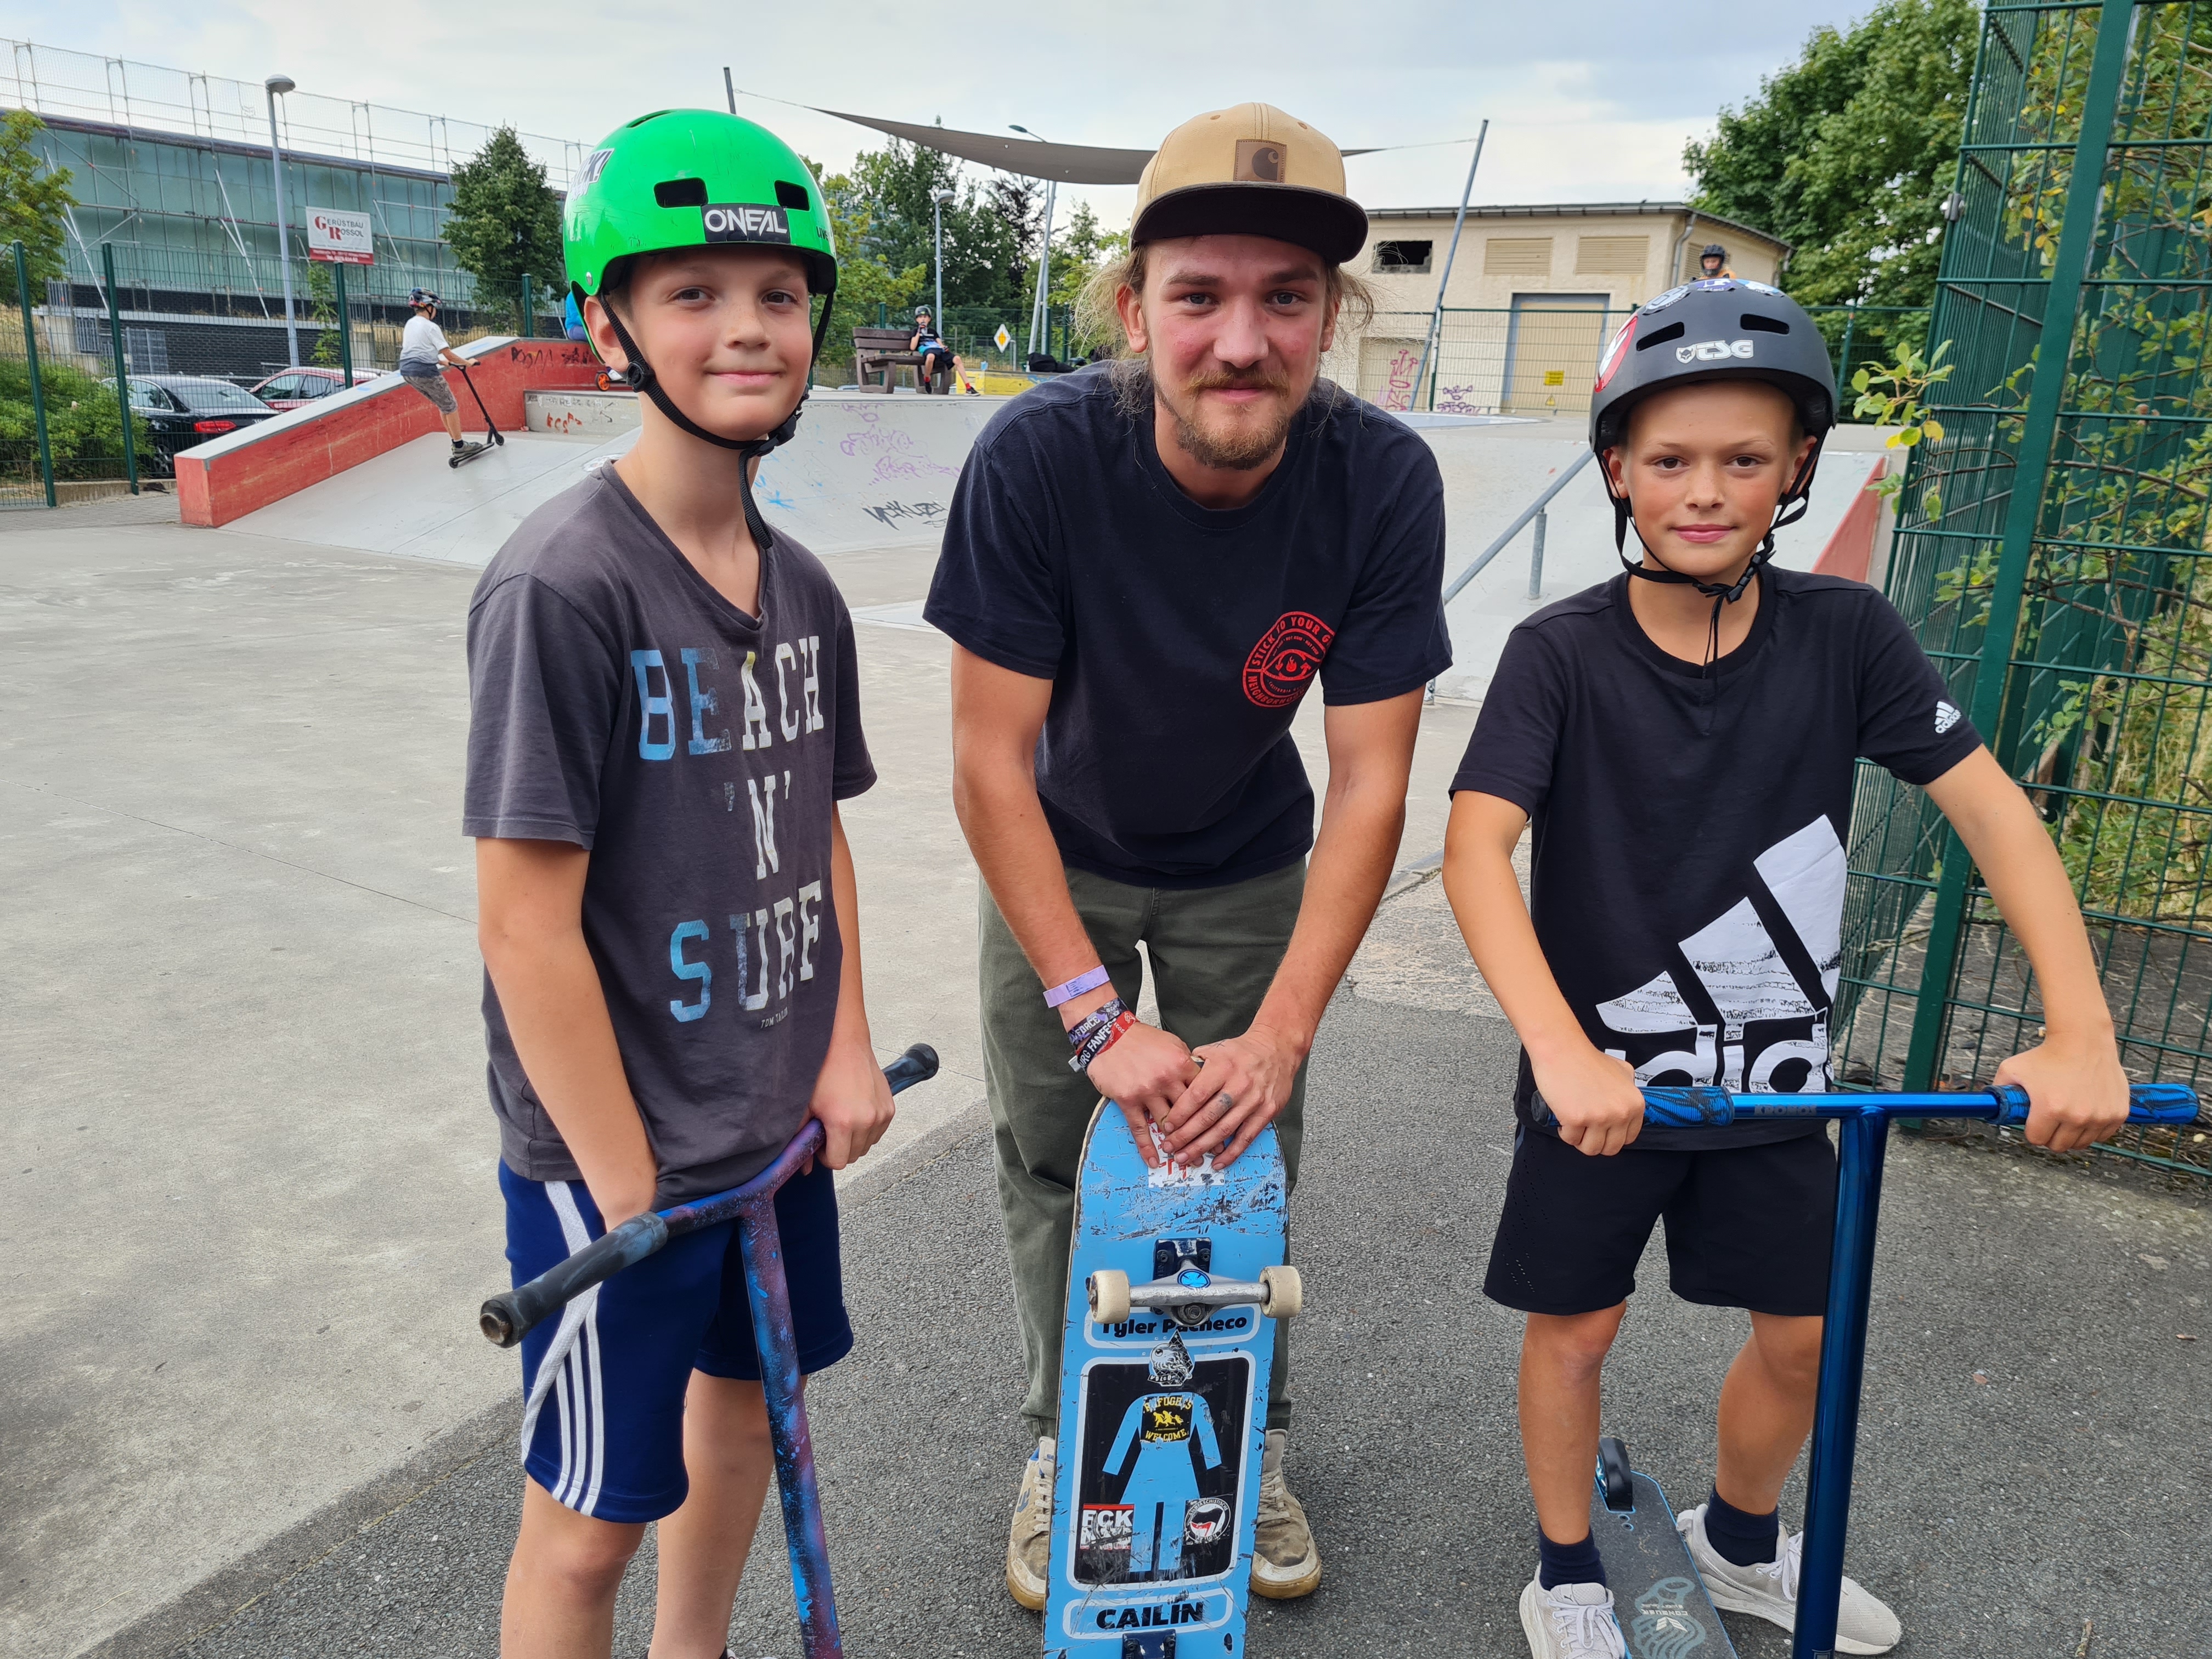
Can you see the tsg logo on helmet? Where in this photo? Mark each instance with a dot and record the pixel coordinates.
(745, 221)
(1712, 351)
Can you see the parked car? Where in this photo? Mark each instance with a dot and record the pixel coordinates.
(297, 386)
(184, 409)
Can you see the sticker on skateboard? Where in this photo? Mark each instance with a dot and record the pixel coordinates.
(1175, 1279)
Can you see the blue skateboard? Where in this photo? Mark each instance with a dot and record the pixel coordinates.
(1174, 1280)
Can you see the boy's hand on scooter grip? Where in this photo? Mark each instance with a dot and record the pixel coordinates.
(1594, 1097)
(2076, 1091)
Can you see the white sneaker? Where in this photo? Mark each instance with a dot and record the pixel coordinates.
(1571, 1621)
(1768, 1590)
(1285, 1561)
(1029, 1545)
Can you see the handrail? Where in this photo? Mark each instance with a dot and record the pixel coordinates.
(1516, 527)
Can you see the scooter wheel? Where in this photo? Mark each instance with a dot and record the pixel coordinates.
(1282, 1292)
(1109, 1297)
(500, 437)
(454, 461)
(1619, 1487)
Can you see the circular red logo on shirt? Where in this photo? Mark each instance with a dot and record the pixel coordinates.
(1287, 656)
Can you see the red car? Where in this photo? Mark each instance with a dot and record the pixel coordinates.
(296, 386)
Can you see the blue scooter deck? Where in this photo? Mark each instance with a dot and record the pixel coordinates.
(1662, 1604)
(1162, 1422)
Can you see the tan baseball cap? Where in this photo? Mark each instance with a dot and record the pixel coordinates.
(1249, 171)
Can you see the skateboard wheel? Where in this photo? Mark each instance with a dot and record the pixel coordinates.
(1109, 1297)
(1282, 1292)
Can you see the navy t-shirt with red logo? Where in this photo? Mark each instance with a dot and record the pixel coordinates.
(1180, 639)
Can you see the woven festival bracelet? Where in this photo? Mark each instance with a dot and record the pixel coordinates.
(1099, 1041)
(1090, 980)
(1095, 1021)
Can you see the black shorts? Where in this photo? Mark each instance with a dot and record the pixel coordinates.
(1746, 1226)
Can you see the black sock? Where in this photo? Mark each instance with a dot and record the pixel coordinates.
(1568, 1563)
(1748, 1540)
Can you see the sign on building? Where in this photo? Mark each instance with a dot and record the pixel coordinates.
(341, 237)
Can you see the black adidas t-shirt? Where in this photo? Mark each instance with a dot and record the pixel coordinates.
(1688, 870)
(1180, 640)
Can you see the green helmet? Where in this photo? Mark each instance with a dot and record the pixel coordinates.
(692, 177)
(695, 178)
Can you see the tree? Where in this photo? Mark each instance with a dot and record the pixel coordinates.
(34, 199)
(1077, 254)
(867, 285)
(504, 224)
(1848, 154)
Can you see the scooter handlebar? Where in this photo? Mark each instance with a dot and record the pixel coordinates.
(1706, 1106)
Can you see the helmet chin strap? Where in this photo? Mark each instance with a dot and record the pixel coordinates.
(1795, 502)
(639, 377)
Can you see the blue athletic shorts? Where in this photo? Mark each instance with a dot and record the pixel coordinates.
(602, 1431)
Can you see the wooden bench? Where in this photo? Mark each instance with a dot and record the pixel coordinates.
(884, 350)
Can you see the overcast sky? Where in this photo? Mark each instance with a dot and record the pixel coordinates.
(1589, 100)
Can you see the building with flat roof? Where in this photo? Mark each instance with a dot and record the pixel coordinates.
(172, 175)
(1533, 293)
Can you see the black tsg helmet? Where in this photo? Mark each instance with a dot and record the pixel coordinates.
(1721, 328)
(1713, 251)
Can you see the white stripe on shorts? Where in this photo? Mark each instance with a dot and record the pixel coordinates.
(570, 1372)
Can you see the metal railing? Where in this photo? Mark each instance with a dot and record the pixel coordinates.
(1534, 514)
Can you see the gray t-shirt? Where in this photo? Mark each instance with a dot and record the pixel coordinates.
(618, 702)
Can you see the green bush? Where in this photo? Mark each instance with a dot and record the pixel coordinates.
(84, 427)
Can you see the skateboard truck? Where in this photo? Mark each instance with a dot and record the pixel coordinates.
(1190, 1296)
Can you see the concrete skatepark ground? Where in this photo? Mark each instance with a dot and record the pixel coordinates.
(252, 1217)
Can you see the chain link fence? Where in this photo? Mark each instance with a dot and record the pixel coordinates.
(2052, 555)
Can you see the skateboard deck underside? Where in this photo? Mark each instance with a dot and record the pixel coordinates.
(1664, 1611)
(1158, 1481)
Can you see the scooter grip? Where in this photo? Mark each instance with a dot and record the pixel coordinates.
(506, 1318)
(1694, 1107)
(917, 1064)
(2148, 1102)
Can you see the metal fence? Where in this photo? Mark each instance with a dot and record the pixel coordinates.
(142, 317)
(1542, 360)
(2051, 554)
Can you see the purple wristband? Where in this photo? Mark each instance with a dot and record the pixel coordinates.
(1090, 980)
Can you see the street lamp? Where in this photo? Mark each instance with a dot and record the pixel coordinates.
(1040, 313)
(937, 198)
(275, 84)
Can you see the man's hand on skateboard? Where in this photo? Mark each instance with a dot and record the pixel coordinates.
(1143, 1073)
(1244, 1084)
(852, 1102)
(1593, 1096)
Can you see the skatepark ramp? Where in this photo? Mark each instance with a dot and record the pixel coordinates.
(870, 471)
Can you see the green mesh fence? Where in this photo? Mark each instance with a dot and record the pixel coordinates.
(2050, 553)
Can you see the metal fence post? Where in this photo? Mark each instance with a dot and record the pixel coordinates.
(31, 358)
(122, 365)
(346, 321)
(1536, 555)
(2062, 303)
(1850, 325)
(529, 332)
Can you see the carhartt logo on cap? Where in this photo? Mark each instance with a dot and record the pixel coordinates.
(1259, 161)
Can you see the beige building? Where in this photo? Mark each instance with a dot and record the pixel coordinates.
(1534, 293)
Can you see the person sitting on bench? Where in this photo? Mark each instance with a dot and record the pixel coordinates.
(934, 352)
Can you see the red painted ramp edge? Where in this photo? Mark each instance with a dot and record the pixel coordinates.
(1850, 552)
(229, 478)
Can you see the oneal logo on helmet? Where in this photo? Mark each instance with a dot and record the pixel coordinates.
(1705, 351)
(745, 221)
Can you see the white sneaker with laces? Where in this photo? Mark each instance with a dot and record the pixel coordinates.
(1029, 1542)
(1768, 1590)
(1571, 1621)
